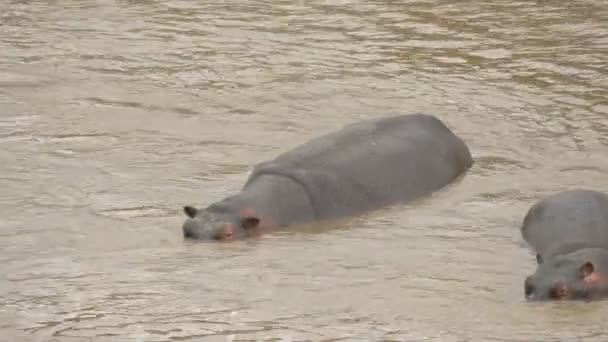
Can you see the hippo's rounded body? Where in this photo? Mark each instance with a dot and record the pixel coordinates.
(569, 233)
(363, 166)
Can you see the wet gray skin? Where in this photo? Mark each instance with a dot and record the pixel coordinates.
(361, 167)
(562, 278)
(277, 200)
(569, 233)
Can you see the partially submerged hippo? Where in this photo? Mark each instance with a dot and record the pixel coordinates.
(361, 167)
(569, 233)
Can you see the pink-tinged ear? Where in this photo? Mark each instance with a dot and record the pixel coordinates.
(250, 223)
(586, 270)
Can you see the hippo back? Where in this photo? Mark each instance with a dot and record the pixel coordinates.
(372, 163)
(567, 221)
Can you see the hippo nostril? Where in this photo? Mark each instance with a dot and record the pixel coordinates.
(528, 288)
(226, 232)
(189, 229)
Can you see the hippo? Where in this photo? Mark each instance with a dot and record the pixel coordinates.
(569, 233)
(361, 167)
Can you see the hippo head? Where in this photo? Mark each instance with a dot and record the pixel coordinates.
(217, 225)
(565, 279)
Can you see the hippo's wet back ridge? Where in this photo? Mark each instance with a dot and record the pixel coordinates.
(361, 167)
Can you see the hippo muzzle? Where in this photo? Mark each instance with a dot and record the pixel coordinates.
(200, 229)
(211, 225)
(559, 280)
(196, 229)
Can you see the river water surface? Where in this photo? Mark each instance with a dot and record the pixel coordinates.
(116, 113)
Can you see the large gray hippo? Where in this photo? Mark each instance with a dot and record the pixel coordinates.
(361, 167)
(569, 233)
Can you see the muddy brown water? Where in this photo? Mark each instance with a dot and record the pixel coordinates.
(115, 113)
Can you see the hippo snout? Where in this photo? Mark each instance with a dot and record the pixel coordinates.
(529, 289)
(195, 229)
(190, 228)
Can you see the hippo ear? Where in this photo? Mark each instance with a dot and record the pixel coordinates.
(190, 211)
(250, 222)
(539, 259)
(586, 269)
